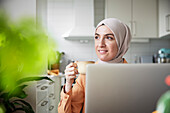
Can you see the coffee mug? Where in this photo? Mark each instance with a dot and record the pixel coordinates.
(81, 65)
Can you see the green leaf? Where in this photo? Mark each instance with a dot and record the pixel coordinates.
(19, 109)
(2, 108)
(18, 92)
(58, 57)
(12, 106)
(8, 106)
(4, 95)
(25, 106)
(27, 79)
(24, 49)
(24, 102)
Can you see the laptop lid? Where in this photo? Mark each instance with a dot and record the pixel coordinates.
(124, 88)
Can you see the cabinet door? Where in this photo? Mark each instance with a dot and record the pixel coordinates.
(164, 17)
(145, 19)
(120, 9)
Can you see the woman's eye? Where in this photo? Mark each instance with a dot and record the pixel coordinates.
(96, 37)
(110, 38)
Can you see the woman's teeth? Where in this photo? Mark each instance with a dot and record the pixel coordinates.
(102, 51)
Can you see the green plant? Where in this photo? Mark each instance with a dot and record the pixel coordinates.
(24, 52)
(54, 60)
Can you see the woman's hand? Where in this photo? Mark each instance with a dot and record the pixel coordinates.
(70, 74)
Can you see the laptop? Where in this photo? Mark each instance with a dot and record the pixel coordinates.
(124, 88)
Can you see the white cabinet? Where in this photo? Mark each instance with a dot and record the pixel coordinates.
(48, 94)
(120, 9)
(164, 18)
(139, 15)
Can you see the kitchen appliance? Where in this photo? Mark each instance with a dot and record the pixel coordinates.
(64, 61)
(163, 55)
(83, 28)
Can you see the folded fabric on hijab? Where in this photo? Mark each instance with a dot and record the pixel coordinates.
(122, 36)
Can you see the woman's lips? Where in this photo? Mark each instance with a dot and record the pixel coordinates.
(102, 51)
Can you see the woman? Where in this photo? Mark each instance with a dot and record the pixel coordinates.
(112, 39)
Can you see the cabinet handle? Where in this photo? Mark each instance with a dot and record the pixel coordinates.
(134, 28)
(51, 108)
(167, 22)
(130, 25)
(44, 87)
(44, 103)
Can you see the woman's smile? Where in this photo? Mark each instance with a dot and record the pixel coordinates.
(102, 52)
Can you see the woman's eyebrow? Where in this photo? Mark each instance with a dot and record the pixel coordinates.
(109, 34)
(96, 34)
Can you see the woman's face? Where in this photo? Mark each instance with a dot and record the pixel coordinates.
(105, 43)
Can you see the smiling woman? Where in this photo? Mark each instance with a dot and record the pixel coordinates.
(112, 39)
(115, 37)
(105, 43)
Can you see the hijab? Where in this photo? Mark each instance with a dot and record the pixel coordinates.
(122, 36)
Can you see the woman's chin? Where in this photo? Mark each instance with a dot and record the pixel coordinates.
(103, 59)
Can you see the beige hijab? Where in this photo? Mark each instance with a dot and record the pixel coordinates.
(122, 36)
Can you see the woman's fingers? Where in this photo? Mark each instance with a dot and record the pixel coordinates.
(71, 65)
(71, 71)
(70, 74)
(71, 77)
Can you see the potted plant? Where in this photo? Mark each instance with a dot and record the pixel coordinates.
(24, 53)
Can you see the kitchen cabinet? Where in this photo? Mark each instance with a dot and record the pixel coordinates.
(164, 18)
(48, 94)
(139, 15)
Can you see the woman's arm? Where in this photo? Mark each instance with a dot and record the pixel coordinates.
(71, 98)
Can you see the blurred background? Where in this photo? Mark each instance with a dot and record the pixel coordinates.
(148, 20)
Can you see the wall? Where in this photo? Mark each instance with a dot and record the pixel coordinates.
(60, 20)
(146, 49)
(19, 8)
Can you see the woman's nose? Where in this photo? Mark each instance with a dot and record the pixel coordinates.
(102, 42)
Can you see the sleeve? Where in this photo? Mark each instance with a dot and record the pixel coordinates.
(73, 101)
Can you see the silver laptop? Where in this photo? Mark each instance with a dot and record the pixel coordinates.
(124, 88)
